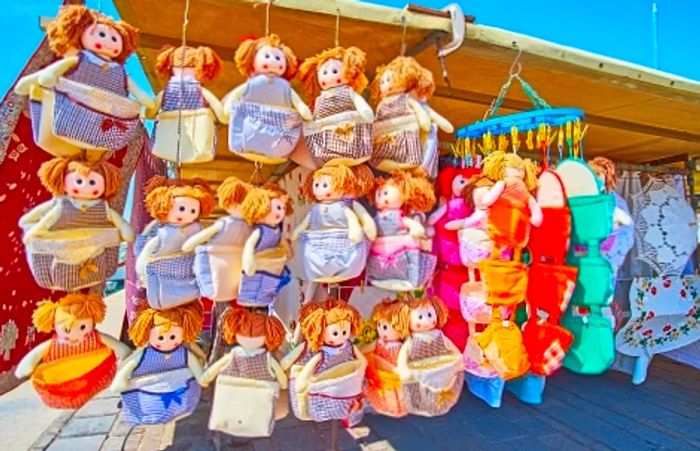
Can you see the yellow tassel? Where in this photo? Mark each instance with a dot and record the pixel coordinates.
(528, 141)
(487, 139)
(502, 143)
(541, 135)
(467, 148)
(560, 143)
(515, 138)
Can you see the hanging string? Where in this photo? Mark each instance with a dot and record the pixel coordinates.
(255, 177)
(337, 27)
(185, 22)
(404, 23)
(267, 17)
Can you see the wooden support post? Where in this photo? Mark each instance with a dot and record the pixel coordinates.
(335, 435)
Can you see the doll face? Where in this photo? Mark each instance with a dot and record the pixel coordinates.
(387, 86)
(184, 210)
(269, 60)
(84, 187)
(278, 210)
(423, 319)
(323, 188)
(332, 74)
(337, 334)
(387, 332)
(388, 197)
(75, 333)
(458, 184)
(250, 343)
(164, 340)
(103, 40)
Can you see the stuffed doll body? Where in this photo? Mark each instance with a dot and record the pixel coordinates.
(429, 138)
(293, 363)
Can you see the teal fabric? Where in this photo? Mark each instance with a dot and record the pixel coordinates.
(594, 283)
(592, 219)
(593, 349)
(528, 389)
(488, 389)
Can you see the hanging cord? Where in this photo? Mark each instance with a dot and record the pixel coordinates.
(178, 157)
(256, 176)
(267, 17)
(337, 27)
(443, 67)
(404, 24)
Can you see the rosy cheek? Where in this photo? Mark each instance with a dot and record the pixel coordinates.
(265, 66)
(98, 46)
(157, 346)
(323, 83)
(94, 193)
(75, 191)
(338, 80)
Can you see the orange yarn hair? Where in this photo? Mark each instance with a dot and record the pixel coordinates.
(354, 61)
(477, 181)
(256, 204)
(417, 191)
(605, 168)
(189, 317)
(239, 321)
(316, 316)
(160, 193)
(204, 60)
(69, 308)
(232, 192)
(342, 180)
(436, 303)
(407, 74)
(245, 55)
(394, 312)
(426, 85)
(65, 32)
(52, 175)
(364, 179)
(495, 164)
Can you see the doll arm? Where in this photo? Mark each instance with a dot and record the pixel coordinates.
(142, 259)
(421, 115)
(234, 96)
(284, 245)
(152, 112)
(300, 106)
(125, 230)
(362, 107)
(306, 372)
(198, 351)
(442, 123)
(120, 349)
(121, 380)
(30, 361)
(368, 348)
(402, 361)
(303, 225)
(48, 220)
(278, 371)
(437, 215)
(248, 257)
(149, 226)
(35, 214)
(415, 228)
(535, 212)
(214, 104)
(288, 360)
(368, 224)
(196, 368)
(48, 76)
(215, 368)
(472, 221)
(201, 237)
(354, 228)
(493, 193)
(621, 218)
(140, 96)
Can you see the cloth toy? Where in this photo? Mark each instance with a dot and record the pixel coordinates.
(81, 102)
(429, 364)
(329, 385)
(218, 248)
(341, 129)
(400, 117)
(265, 253)
(383, 387)
(396, 261)
(72, 241)
(264, 113)
(162, 267)
(77, 362)
(295, 361)
(333, 244)
(249, 376)
(429, 141)
(186, 111)
(161, 380)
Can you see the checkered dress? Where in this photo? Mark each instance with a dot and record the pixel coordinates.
(253, 366)
(396, 133)
(260, 289)
(431, 153)
(53, 274)
(338, 130)
(143, 238)
(182, 93)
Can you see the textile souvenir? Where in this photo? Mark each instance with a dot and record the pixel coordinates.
(162, 267)
(593, 348)
(396, 261)
(160, 382)
(81, 102)
(429, 365)
(77, 362)
(341, 129)
(333, 243)
(329, 385)
(447, 284)
(185, 129)
(383, 387)
(400, 117)
(265, 114)
(249, 377)
(218, 249)
(265, 253)
(72, 242)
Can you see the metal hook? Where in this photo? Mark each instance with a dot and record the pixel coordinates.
(516, 66)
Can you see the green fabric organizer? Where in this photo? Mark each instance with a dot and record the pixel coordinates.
(593, 349)
(594, 282)
(591, 219)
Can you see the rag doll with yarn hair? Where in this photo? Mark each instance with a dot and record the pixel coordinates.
(72, 241)
(185, 111)
(82, 101)
(77, 362)
(162, 267)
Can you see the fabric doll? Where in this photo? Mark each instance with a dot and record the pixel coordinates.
(265, 252)
(81, 102)
(329, 385)
(186, 106)
(341, 129)
(162, 267)
(77, 362)
(72, 241)
(218, 248)
(429, 364)
(400, 117)
(332, 240)
(249, 376)
(265, 114)
(383, 387)
(161, 380)
(429, 141)
(396, 261)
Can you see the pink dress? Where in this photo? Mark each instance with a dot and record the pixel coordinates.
(448, 242)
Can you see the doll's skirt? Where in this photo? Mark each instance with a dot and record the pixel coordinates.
(344, 137)
(474, 246)
(331, 254)
(546, 346)
(160, 402)
(260, 289)
(593, 348)
(550, 241)
(448, 246)
(196, 141)
(411, 265)
(397, 140)
(51, 272)
(218, 271)
(269, 131)
(550, 287)
(425, 401)
(170, 281)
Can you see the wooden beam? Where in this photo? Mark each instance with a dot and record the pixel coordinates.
(157, 42)
(679, 158)
(435, 12)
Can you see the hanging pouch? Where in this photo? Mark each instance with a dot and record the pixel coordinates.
(550, 288)
(592, 217)
(550, 241)
(509, 223)
(593, 348)
(546, 346)
(506, 281)
(594, 285)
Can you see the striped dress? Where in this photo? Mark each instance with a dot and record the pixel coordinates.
(396, 133)
(261, 289)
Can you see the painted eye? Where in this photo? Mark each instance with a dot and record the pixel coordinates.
(182, 209)
(193, 211)
(386, 193)
(66, 330)
(114, 39)
(385, 327)
(316, 185)
(278, 58)
(325, 72)
(83, 327)
(430, 315)
(279, 208)
(335, 334)
(172, 337)
(420, 316)
(335, 71)
(325, 185)
(267, 56)
(345, 332)
(79, 181)
(92, 183)
(161, 338)
(102, 34)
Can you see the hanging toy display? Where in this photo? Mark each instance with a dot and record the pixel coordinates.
(161, 380)
(249, 376)
(185, 128)
(265, 114)
(77, 362)
(162, 267)
(341, 129)
(72, 242)
(81, 102)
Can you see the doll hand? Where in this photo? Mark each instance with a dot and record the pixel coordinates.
(416, 230)
(24, 86)
(430, 231)
(355, 233)
(47, 79)
(249, 268)
(119, 384)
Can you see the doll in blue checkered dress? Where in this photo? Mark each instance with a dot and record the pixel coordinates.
(162, 267)
(264, 113)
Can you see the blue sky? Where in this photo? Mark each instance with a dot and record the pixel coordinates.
(617, 28)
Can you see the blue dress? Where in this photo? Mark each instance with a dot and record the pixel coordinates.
(260, 289)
